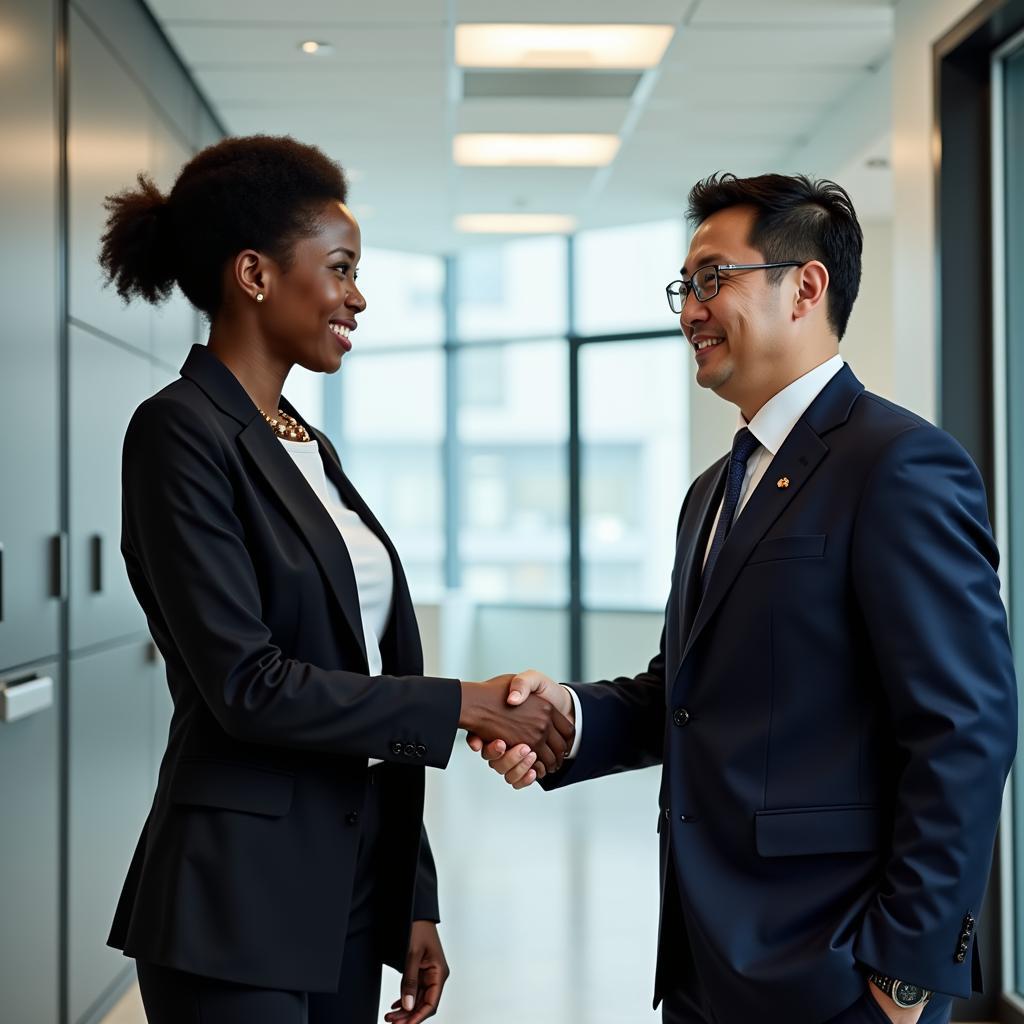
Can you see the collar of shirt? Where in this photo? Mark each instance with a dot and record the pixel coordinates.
(775, 419)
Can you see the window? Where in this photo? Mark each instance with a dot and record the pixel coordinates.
(391, 448)
(633, 432)
(517, 290)
(454, 422)
(621, 275)
(404, 300)
(513, 427)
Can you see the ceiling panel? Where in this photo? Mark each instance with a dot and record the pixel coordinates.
(833, 13)
(231, 46)
(340, 11)
(777, 47)
(422, 120)
(684, 122)
(375, 90)
(645, 12)
(814, 88)
(529, 189)
(541, 115)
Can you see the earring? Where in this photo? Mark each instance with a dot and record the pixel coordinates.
(259, 296)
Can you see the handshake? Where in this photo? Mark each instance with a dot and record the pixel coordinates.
(523, 724)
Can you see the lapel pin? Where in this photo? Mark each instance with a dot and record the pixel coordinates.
(782, 483)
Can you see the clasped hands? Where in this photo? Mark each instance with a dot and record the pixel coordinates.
(523, 725)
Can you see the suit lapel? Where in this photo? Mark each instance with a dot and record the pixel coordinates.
(311, 519)
(796, 460)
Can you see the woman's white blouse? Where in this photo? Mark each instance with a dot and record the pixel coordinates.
(375, 579)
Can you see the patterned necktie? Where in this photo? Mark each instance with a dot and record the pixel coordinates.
(743, 446)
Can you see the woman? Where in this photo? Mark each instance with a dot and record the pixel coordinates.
(284, 858)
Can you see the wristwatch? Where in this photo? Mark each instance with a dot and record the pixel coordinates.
(902, 993)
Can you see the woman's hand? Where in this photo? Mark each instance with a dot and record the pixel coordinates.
(426, 971)
(492, 711)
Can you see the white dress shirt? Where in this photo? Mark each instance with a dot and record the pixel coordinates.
(771, 425)
(371, 563)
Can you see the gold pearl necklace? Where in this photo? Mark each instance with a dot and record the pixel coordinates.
(287, 426)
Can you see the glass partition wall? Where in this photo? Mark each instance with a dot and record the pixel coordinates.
(516, 416)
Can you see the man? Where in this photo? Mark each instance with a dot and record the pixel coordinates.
(833, 701)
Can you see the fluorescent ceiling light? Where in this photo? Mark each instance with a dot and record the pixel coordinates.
(561, 46)
(515, 223)
(526, 150)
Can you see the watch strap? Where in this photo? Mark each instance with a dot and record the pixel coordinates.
(889, 986)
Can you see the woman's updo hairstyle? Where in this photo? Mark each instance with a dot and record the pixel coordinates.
(258, 192)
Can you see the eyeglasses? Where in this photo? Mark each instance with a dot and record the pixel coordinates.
(704, 281)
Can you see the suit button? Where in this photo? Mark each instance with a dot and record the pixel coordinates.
(969, 925)
(352, 817)
(396, 748)
(410, 749)
(681, 716)
(668, 814)
(686, 819)
(960, 957)
(421, 751)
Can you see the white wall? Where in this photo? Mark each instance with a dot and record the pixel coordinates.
(918, 24)
(868, 344)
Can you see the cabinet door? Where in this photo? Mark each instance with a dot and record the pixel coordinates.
(110, 757)
(29, 847)
(107, 383)
(174, 321)
(29, 381)
(108, 144)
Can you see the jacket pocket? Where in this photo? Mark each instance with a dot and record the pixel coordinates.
(855, 828)
(779, 548)
(231, 786)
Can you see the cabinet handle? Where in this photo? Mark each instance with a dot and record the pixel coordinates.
(59, 584)
(1, 583)
(96, 559)
(28, 697)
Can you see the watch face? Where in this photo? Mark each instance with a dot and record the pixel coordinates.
(907, 995)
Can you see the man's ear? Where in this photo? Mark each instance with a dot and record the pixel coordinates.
(811, 288)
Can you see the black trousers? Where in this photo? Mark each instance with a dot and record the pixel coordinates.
(178, 997)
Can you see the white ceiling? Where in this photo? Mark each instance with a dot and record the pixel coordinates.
(742, 84)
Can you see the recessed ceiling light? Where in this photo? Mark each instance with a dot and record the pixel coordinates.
(515, 223)
(534, 150)
(316, 49)
(560, 46)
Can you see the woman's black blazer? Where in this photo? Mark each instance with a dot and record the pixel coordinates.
(244, 868)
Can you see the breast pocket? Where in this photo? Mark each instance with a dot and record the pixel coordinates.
(778, 549)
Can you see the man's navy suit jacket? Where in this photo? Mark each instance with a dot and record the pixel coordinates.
(835, 718)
